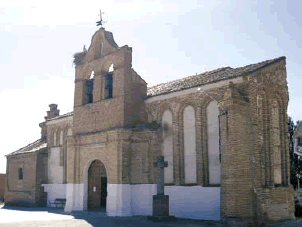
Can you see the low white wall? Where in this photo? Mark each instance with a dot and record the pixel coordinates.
(78, 197)
(74, 197)
(142, 198)
(54, 191)
(118, 200)
(194, 202)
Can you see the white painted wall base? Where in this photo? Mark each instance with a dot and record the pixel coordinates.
(119, 200)
(74, 197)
(54, 191)
(142, 198)
(194, 202)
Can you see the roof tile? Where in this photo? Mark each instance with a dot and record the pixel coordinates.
(207, 77)
(32, 147)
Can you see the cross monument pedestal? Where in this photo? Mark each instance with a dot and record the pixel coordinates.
(161, 201)
(161, 205)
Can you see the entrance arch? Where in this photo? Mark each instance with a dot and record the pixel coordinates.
(97, 185)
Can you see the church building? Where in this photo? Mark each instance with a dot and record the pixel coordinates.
(222, 132)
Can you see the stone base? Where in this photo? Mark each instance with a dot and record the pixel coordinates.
(161, 205)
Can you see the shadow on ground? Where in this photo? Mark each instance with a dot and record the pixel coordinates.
(98, 217)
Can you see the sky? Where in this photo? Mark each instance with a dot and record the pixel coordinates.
(169, 39)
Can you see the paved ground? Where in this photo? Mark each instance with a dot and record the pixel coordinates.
(19, 216)
(42, 217)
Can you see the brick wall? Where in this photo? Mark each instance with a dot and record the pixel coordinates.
(21, 192)
(126, 107)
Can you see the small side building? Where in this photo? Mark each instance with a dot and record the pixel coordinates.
(25, 172)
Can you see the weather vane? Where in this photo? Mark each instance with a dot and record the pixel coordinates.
(100, 22)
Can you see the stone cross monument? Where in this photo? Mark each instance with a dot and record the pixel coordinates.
(160, 201)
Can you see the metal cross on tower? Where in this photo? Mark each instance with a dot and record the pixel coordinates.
(160, 164)
(100, 22)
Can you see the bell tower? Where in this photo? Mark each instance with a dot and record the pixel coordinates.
(108, 92)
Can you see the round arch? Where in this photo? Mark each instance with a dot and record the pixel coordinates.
(95, 184)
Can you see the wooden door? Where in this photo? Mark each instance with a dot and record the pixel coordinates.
(97, 185)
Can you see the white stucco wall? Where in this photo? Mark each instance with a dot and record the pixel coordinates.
(189, 145)
(119, 200)
(74, 197)
(55, 171)
(54, 191)
(142, 198)
(167, 146)
(194, 202)
(213, 143)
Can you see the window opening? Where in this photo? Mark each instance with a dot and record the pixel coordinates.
(108, 86)
(88, 89)
(20, 174)
(89, 85)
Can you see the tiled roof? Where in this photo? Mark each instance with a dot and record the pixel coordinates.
(207, 77)
(32, 147)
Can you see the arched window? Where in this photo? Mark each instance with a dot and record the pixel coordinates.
(54, 138)
(69, 132)
(168, 145)
(61, 137)
(89, 88)
(58, 137)
(109, 85)
(213, 143)
(189, 145)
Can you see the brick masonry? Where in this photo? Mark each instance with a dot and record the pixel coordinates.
(27, 191)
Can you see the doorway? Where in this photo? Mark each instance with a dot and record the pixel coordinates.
(97, 186)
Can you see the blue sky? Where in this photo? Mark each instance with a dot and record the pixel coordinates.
(170, 40)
